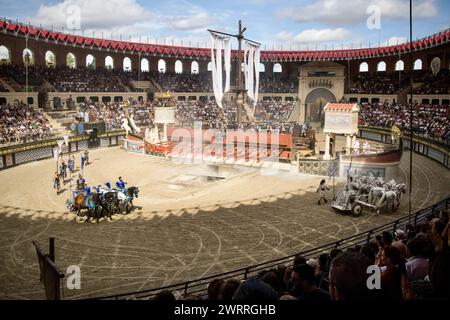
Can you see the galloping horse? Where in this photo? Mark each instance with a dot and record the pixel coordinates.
(126, 197)
(375, 193)
(89, 202)
(392, 196)
(110, 202)
(399, 189)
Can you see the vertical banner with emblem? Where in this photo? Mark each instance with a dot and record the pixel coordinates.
(66, 141)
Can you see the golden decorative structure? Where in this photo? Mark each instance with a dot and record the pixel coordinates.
(167, 96)
(167, 99)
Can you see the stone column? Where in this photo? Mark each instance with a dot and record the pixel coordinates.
(165, 133)
(348, 144)
(353, 139)
(302, 117)
(327, 155)
(333, 146)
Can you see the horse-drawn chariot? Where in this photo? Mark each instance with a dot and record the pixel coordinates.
(104, 203)
(368, 192)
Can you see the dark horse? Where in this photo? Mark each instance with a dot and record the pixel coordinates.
(130, 194)
(92, 203)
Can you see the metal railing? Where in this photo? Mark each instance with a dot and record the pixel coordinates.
(199, 286)
(418, 136)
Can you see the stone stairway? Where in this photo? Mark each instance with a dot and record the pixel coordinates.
(295, 115)
(156, 85)
(303, 147)
(61, 121)
(127, 88)
(10, 84)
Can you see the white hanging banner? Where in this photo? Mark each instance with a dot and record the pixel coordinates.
(251, 74)
(60, 143)
(257, 62)
(56, 153)
(246, 68)
(218, 43)
(66, 140)
(251, 71)
(227, 57)
(217, 90)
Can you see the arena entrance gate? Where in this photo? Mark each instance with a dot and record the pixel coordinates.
(315, 103)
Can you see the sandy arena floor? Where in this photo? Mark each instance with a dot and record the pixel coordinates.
(183, 228)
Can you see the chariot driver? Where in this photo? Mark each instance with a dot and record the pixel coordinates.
(120, 184)
(349, 184)
(80, 183)
(108, 186)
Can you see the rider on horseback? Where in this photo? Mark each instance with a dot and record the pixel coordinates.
(121, 184)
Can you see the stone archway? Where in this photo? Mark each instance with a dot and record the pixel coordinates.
(315, 101)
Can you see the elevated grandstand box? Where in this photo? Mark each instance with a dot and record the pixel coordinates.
(341, 118)
(165, 115)
(100, 126)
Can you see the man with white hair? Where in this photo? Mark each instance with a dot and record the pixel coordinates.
(366, 147)
(398, 243)
(356, 146)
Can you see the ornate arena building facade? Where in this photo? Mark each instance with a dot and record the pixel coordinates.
(195, 223)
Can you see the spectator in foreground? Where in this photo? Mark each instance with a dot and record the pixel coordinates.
(304, 288)
(348, 277)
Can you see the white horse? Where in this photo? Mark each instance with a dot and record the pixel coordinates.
(389, 197)
(376, 193)
(392, 197)
(400, 189)
(133, 125)
(125, 126)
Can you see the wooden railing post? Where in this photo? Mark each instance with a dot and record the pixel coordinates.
(51, 246)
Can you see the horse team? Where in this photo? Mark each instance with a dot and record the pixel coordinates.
(103, 203)
(379, 193)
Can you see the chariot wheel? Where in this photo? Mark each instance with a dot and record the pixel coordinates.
(357, 209)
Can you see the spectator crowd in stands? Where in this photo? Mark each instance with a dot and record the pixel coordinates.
(430, 84)
(82, 80)
(278, 84)
(86, 79)
(414, 264)
(176, 82)
(22, 123)
(379, 83)
(428, 120)
(18, 74)
(271, 114)
(3, 88)
(114, 113)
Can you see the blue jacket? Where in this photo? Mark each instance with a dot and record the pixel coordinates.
(120, 184)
